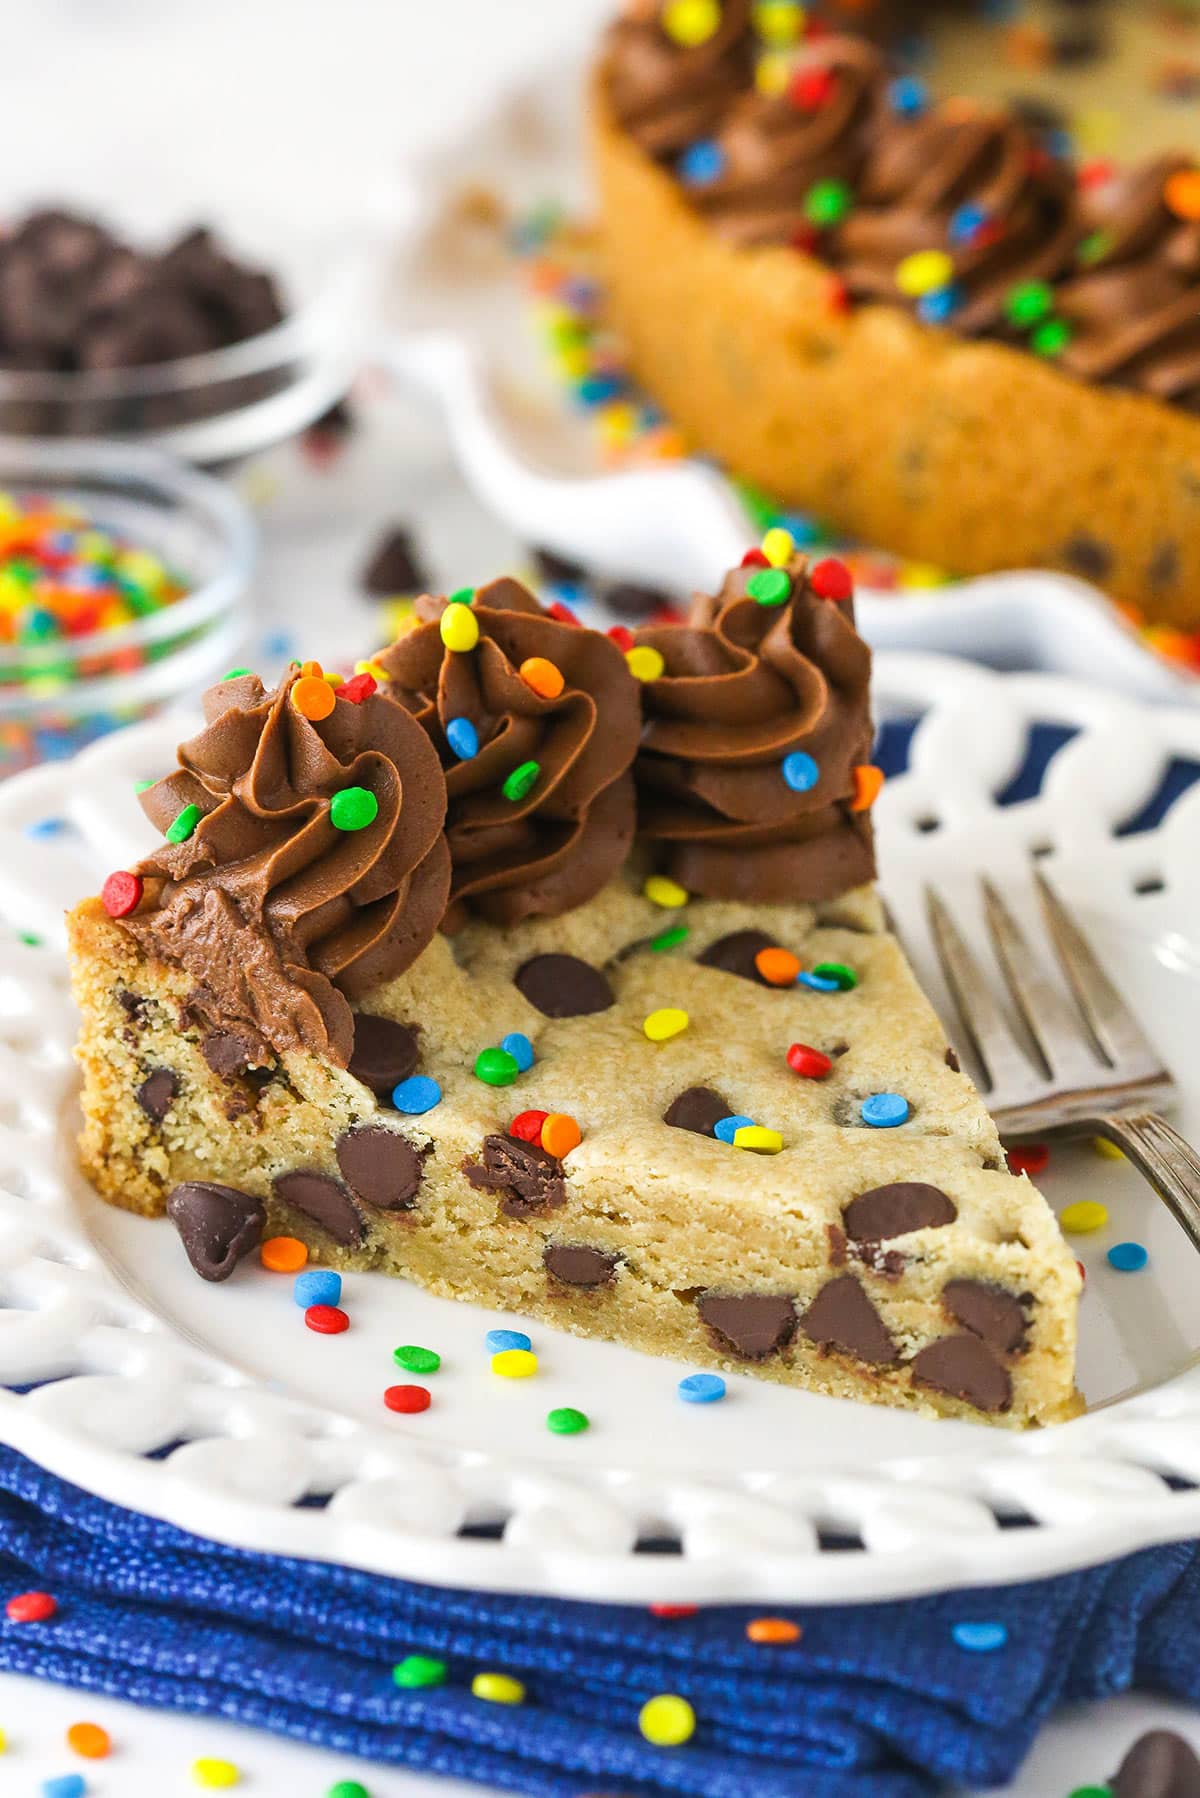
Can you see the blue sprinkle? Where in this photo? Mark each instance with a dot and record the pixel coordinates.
(909, 97)
(725, 1128)
(463, 738)
(496, 1341)
(1128, 1257)
(939, 304)
(800, 771)
(1060, 143)
(67, 1785)
(819, 983)
(47, 827)
(320, 1286)
(804, 530)
(594, 390)
(520, 1048)
(701, 1388)
(883, 1111)
(278, 643)
(416, 1094)
(965, 221)
(980, 1638)
(701, 164)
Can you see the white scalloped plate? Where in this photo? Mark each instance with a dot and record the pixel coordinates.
(214, 1407)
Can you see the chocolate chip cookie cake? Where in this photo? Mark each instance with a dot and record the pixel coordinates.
(547, 970)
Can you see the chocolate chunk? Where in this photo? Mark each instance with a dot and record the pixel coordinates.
(698, 1109)
(837, 1245)
(987, 1311)
(1160, 1764)
(752, 1324)
(217, 1225)
(559, 571)
(133, 1005)
(562, 986)
(381, 1167)
(1164, 565)
(384, 1054)
(628, 599)
(1088, 556)
(965, 1368)
(896, 1209)
(156, 1093)
(843, 1317)
(325, 1201)
(735, 954)
(530, 1178)
(952, 1061)
(394, 566)
(579, 1266)
(226, 1053)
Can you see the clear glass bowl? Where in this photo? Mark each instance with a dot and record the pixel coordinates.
(56, 697)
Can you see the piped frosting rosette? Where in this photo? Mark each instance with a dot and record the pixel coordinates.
(675, 66)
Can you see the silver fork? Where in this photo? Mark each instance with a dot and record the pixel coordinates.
(1099, 1076)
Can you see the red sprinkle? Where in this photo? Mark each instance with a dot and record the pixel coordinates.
(564, 614)
(754, 558)
(621, 635)
(358, 689)
(1082, 1272)
(31, 1607)
(805, 238)
(326, 1320)
(674, 1610)
(837, 295)
(121, 894)
(527, 1125)
(1031, 1158)
(811, 89)
(831, 579)
(1096, 173)
(408, 1399)
(809, 1062)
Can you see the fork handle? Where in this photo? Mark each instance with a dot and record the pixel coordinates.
(1170, 1164)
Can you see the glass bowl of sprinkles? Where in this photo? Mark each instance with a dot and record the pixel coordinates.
(122, 574)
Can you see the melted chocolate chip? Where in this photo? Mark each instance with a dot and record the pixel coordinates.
(843, 1317)
(1159, 1765)
(699, 1109)
(989, 1312)
(1164, 565)
(558, 570)
(133, 1005)
(752, 1324)
(325, 1201)
(896, 1209)
(381, 1167)
(562, 986)
(735, 954)
(965, 1368)
(529, 1177)
(384, 1054)
(952, 1061)
(1088, 556)
(156, 1093)
(226, 1053)
(217, 1225)
(579, 1266)
(837, 1245)
(628, 599)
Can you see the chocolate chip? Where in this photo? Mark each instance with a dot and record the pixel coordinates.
(1164, 565)
(843, 1317)
(226, 1053)
(156, 1093)
(1159, 1765)
(381, 1167)
(579, 1266)
(952, 1061)
(1088, 556)
(837, 1245)
(560, 571)
(896, 1209)
(530, 1178)
(133, 1005)
(385, 1052)
(987, 1311)
(735, 954)
(628, 599)
(752, 1324)
(562, 986)
(698, 1109)
(217, 1225)
(325, 1201)
(394, 566)
(965, 1368)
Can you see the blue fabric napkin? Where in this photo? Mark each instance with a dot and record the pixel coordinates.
(874, 1701)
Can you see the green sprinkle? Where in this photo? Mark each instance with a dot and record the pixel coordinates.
(667, 939)
(521, 781)
(827, 202)
(184, 824)
(566, 1421)
(416, 1360)
(1092, 1792)
(236, 673)
(496, 1067)
(30, 938)
(462, 596)
(141, 786)
(846, 978)
(347, 1788)
(1028, 303)
(770, 586)
(353, 809)
(1051, 338)
(419, 1670)
(1095, 247)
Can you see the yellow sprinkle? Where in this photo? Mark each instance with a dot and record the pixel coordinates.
(779, 22)
(375, 669)
(498, 1688)
(213, 1773)
(1109, 1150)
(644, 663)
(335, 680)
(667, 1720)
(665, 1023)
(1096, 131)
(778, 546)
(575, 362)
(514, 1364)
(921, 574)
(660, 890)
(1082, 1218)
(691, 22)
(772, 72)
(923, 272)
(3, 1737)
(758, 1138)
(617, 422)
(460, 628)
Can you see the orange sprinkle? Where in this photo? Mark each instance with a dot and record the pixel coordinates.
(313, 697)
(283, 1254)
(313, 670)
(868, 783)
(773, 1629)
(545, 679)
(89, 1740)
(778, 967)
(560, 1134)
(1181, 192)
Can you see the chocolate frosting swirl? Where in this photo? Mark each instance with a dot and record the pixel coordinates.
(282, 917)
(543, 854)
(666, 94)
(744, 686)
